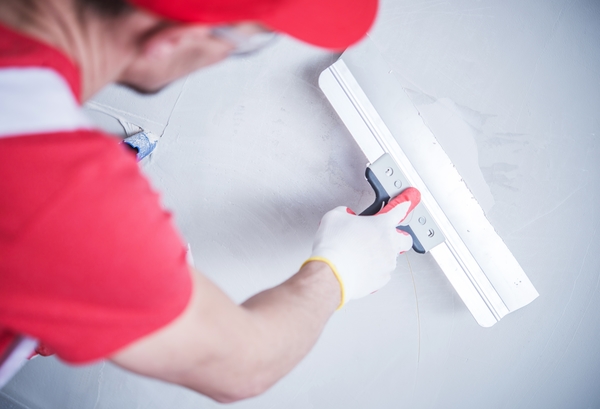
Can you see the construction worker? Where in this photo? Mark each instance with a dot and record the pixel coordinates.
(91, 266)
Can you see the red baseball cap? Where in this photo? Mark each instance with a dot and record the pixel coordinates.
(333, 24)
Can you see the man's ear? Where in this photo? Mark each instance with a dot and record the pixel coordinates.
(167, 41)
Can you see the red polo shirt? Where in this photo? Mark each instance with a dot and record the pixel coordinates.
(89, 260)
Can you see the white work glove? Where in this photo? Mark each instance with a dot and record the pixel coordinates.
(362, 250)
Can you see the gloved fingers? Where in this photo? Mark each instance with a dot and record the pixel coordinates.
(336, 212)
(400, 206)
(402, 241)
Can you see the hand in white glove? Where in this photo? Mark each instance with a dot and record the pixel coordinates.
(362, 250)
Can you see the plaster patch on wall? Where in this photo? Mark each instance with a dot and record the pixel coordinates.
(455, 128)
(500, 173)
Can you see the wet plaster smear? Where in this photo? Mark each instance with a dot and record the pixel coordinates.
(252, 155)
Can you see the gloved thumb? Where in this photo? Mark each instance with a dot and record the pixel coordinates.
(399, 207)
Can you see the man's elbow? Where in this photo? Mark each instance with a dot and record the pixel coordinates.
(229, 392)
(237, 394)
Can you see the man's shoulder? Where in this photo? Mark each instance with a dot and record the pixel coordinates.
(39, 87)
(17, 50)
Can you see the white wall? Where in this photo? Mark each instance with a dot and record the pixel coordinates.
(252, 156)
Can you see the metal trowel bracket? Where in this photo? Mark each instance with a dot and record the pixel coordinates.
(388, 181)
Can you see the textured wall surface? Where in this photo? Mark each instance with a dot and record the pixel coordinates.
(252, 155)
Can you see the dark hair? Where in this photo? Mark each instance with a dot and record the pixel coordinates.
(106, 8)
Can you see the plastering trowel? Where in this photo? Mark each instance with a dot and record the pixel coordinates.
(449, 224)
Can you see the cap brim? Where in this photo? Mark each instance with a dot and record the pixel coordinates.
(332, 24)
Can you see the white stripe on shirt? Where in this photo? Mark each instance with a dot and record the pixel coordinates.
(37, 100)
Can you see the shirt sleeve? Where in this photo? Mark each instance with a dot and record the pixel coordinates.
(91, 261)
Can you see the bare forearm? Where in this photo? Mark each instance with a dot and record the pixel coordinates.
(291, 316)
(257, 343)
(230, 352)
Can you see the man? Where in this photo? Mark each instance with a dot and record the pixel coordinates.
(91, 266)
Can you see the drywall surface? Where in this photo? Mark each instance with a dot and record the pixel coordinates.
(252, 155)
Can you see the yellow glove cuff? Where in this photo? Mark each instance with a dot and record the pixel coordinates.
(335, 273)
